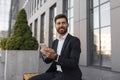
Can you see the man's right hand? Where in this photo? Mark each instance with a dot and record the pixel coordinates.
(49, 53)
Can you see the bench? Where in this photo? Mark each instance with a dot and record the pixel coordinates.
(26, 76)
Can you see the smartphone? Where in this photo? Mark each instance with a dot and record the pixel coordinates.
(42, 45)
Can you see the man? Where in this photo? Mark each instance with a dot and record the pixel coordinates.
(64, 55)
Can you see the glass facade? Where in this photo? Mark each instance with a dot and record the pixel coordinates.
(38, 4)
(42, 30)
(71, 16)
(35, 28)
(33, 6)
(52, 30)
(101, 33)
(68, 10)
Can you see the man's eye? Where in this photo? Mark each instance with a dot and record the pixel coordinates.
(63, 22)
(58, 23)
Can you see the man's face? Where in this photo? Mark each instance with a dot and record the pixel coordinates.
(61, 26)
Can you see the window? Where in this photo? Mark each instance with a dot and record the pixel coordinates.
(68, 10)
(32, 6)
(37, 4)
(35, 28)
(42, 30)
(31, 26)
(52, 31)
(101, 46)
(45, 1)
(42, 2)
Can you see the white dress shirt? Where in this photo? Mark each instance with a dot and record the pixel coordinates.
(59, 48)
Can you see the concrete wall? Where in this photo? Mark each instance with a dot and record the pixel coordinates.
(19, 62)
(115, 31)
(80, 27)
(43, 66)
(13, 64)
(2, 65)
(21, 3)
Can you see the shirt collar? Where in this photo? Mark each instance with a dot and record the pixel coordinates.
(62, 37)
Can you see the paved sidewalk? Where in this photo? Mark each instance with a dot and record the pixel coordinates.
(92, 73)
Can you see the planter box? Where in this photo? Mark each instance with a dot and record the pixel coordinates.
(2, 56)
(2, 64)
(18, 62)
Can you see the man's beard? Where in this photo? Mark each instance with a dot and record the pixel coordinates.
(62, 30)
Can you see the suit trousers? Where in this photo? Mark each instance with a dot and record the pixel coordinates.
(49, 76)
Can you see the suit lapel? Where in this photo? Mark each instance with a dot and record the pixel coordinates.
(65, 43)
(56, 44)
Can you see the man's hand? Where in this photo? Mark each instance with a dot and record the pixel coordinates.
(49, 53)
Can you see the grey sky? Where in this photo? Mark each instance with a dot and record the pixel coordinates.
(4, 14)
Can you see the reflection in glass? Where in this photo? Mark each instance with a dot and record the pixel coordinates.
(96, 48)
(96, 18)
(71, 2)
(106, 46)
(102, 1)
(102, 35)
(71, 22)
(54, 30)
(69, 25)
(105, 14)
(70, 16)
(68, 13)
(42, 30)
(72, 13)
(37, 4)
(95, 2)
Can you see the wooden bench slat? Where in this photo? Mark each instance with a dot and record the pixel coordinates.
(29, 75)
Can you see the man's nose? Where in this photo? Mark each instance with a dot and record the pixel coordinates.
(61, 24)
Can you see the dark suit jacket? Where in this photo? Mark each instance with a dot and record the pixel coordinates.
(69, 58)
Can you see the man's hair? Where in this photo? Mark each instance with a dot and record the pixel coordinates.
(61, 16)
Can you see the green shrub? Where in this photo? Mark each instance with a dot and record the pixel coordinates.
(21, 37)
(3, 43)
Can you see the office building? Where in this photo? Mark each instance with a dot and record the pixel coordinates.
(95, 22)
